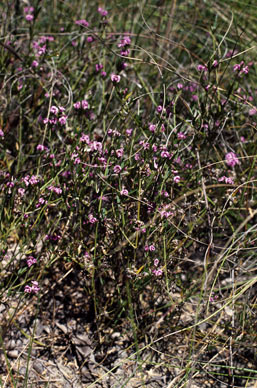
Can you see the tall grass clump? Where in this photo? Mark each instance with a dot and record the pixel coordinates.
(128, 193)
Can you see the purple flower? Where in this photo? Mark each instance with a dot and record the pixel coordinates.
(34, 288)
(124, 41)
(129, 131)
(238, 66)
(21, 192)
(202, 68)
(28, 9)
(31, 260)
(84, 104)
(252, 111)
(181, 135)
(28, 289)
(98, 67)
(157, 272)
(29, 17)
(54, 110)
(152, 127)
(124, 192)
(117, 169)
(92, 219)
(34, 64)
(231, 159)
(115, 78)
(40, 147)
(103, 12)
(176, 178)
(77, 105)
(62, 120)
(215, 63)
(120, 152)
(82, 22)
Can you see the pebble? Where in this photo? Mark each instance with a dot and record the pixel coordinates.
(38, 367)
(13, 353)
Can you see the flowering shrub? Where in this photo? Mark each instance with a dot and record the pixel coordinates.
(138, 178)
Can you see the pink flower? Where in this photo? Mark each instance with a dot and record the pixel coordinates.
(252, 111)
(117, 169)
(84, 138)
(33, 180)
(29, 18)
(152, 127)
(31, 260)
(227, 180)
(181, 135)
(156, 262)
(1, 133)
(245, 70)
(215, 63)
(92, 219)
(34, 288)
(62, 120)
(77, 105)
(82, 22)
(231, 159)
(40, 147)
(54, 110)
(28, 289)
(124, 192)
(21, 192)
(176, 178)
(98, 67)
(238, 66)
(129, 131)
(103, 12)
(34, 64)
(202, 68)
(157, 272)
(28, 9)
(165, 154)
(120, 152)
(84, 104)
(115, 78)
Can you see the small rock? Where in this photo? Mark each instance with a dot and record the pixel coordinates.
(11, 344)
(38, 367)
(13, 353)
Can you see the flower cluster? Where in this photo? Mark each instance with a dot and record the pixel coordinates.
(29, 13)
(81, 105)
(231, 159)
(31, 260)
(32, 289)
(157, 271)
